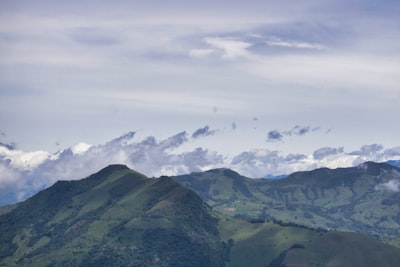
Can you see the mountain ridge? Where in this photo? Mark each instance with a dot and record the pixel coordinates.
(118, 217)
(362, 198)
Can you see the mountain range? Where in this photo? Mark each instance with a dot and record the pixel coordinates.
(118, 217)
(364, 199)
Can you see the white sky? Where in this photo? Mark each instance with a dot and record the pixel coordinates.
(90, 71)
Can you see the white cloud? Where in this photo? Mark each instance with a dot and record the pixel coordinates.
(293, 44)
(231, 49)
(24, 160)
(81, 148)
(22, 173)
(199, 53)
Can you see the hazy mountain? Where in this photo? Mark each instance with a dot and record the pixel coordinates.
(395, 163)
(359, 199)
(118, 217)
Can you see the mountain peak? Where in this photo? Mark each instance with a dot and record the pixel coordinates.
(117, 217)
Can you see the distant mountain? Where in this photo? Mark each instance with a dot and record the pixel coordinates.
(269, 176)
(118, 217)
(395, 163)
(359, 199)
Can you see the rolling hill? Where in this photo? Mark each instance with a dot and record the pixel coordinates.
(118, 217)
(364, 199)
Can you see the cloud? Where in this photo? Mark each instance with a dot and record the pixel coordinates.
(10, 146)
(391, 185)
(231, 48)
(274, 135)
(275, 41)
(24, 173)
(199, 53)
(260, 162)
(324, 152)
(392, 152)
(205, 131)
(366, 150)
(277, 135)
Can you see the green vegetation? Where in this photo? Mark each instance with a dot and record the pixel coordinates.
(113, 218)
(118, 217)
(344, 199)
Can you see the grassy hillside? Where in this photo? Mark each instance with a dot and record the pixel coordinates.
(115, 217)
(273, 245)
(347, 199)
(118, 217)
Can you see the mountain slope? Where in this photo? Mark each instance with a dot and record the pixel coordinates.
(360, 199)
(118, 217)
(115, 217)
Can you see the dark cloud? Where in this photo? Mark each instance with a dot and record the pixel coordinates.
(205, 131)
(366, 150)
(274, 135)
(277, 135)
(10, 146)
(326, 151)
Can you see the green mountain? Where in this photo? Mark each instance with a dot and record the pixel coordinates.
(358, 199)
(118, 217)
(115, 217)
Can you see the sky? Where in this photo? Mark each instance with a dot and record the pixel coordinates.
(172, 87)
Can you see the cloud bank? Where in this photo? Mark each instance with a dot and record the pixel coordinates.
(24, 173)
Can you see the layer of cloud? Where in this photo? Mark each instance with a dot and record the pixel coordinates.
(23, 173)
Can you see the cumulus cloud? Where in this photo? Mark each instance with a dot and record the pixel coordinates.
(277, 135)
(324, 152)
(24, 173)
(205, 131)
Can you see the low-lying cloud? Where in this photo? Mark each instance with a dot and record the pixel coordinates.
(24, 173)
